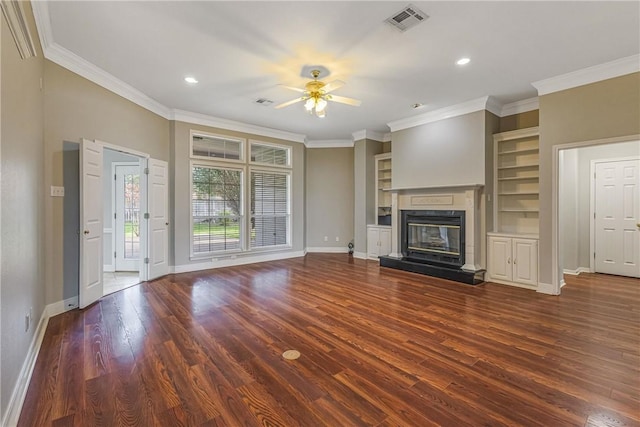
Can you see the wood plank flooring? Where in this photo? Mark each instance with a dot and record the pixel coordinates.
(379, 347)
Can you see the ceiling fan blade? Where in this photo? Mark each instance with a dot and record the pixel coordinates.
(297, 89)
(286, 104)
(345, 100)
(331, 86)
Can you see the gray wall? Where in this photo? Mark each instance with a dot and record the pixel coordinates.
(181, 189)
(77, 108)
(71, 227)
(22, 194)
(606, 109)
(364, 212)
(440, 154)
(575, 194)
(330, 203)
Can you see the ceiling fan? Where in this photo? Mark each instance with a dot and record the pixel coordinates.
(316, 94)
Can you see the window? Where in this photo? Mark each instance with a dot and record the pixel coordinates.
(216, 147)
(270, 154)
(216, 209)
(269, 209)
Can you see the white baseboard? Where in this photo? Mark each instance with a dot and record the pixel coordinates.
(24, 378)
(61, 306)
(328, 250)
(108, 268)
(562, 283)
(230, 261)
(546, 288)
(577, 271)
(360, 255)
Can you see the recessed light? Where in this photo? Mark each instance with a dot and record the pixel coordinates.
(463, 61)
(190, 80)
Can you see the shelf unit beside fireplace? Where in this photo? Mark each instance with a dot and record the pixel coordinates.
(383, 189)
(513, 244)
(516, 160)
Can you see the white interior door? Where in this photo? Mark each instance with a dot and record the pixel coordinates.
(158, 208)
(617, 217)
(91, 288)
(127, 217)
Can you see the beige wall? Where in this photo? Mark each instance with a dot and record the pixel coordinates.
(524, 120)
(76, 108)
(181, 196)
(442, 153)
(22, 275)
(330, 198)
(606, 109)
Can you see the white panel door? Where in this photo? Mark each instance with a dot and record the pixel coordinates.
(158, 208)
(90, 223)
(617, 218)
(500, 258)
(525, 261)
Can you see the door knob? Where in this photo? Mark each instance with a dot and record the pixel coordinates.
(166, 223)
(86, 231)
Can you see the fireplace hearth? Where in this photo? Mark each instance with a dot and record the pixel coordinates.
(433, 243)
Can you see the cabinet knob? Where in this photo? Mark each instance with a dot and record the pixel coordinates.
(514, 261)
(509, 260)
(86, 231)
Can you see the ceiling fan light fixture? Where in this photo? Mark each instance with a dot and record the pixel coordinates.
(310, 104)
(321, 104)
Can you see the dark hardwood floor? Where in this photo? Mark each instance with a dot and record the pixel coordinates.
(379, 347)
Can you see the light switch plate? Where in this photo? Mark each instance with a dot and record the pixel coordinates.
(57, 191)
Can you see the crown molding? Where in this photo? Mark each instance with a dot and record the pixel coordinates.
(585, 76)
(330, 143)
(369, 134)
(522, 106)
(484, 103)
(217, 122)
(15, 18)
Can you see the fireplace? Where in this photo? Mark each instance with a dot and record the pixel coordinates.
(433, 237)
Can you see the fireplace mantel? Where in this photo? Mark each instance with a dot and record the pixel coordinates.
(464, 197)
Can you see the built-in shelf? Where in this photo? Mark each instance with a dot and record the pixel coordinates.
(521, 151)
(518, 166)
(384, 186)
(516, 181)
(385, 170)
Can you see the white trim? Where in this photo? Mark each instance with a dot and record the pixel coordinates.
(63, 306)
(508, 283)
(515, 134)
(576, 271)
(328, 250)
(443, 187)
(547, 288)
(241, 141)
(494, 106)
(220, 123)
(288, 149)
(608, 70)
(124, 150)
(15, 18)
(360, 255)
(447, 112)
(562, 283)
(555, 211)
(228, 260)
(330, 143)
(108, 268)
(370, 134)
(14, 408)
(529, 104)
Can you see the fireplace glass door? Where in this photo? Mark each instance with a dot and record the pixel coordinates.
(434, 238)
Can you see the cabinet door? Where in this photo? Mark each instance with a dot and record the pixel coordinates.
(500, 258)
(525, 261)
(385, 242)
(373, 242)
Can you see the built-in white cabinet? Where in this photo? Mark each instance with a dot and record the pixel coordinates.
(383, 189)
(378, 241)
(513, 260)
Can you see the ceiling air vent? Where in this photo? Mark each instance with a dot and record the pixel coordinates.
(408, 17)
(264, 102)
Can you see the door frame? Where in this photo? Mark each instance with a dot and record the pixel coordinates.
(140, 166)
(592, 207)
(557, 270)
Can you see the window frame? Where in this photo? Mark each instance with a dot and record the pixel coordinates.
(242, 220)
(287, 148)
(242, 142)
(250, 215)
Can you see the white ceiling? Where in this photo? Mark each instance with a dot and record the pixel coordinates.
(241, 51)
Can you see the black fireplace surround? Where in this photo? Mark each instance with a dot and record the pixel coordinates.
(433, 243)
(433, 237)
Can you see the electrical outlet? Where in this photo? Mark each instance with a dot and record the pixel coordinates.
(27, 322)
(337, 239)
(57, 191)
(326, 238)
